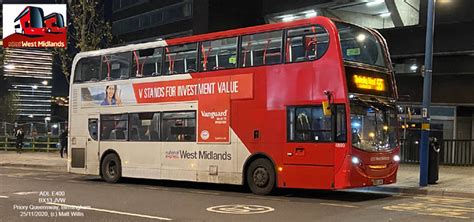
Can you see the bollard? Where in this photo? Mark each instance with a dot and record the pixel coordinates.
(47, 145)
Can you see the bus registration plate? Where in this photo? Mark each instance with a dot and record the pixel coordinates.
(376, 182)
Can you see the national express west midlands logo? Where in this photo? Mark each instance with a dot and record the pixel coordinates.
(197, 155)
(34, 26)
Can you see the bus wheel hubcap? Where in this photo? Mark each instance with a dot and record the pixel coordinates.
(260, 177)
(112, 167)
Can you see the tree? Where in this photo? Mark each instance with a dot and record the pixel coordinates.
(87, 31)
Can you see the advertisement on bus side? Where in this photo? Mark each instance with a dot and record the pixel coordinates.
(213, 94)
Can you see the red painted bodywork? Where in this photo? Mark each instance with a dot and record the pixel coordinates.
(320, 165)
(27, 19)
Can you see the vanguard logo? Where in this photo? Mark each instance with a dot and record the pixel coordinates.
(212, 115)
(35, 26)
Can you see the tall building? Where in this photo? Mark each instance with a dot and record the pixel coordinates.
(29, 72)
(147, 20)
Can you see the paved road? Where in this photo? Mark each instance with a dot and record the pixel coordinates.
(57, 196)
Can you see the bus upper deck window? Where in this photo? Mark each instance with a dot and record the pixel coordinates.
(181, 58)
(261, 49)
(307, 43)
(116, 66)
(218, 54)
(147, 62)
(87, 69)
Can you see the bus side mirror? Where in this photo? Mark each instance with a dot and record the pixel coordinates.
(326, 108)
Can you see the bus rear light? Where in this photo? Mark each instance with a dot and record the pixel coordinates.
(280, 169)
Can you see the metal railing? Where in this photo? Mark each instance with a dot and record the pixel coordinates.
(40, 143)
(453, 152)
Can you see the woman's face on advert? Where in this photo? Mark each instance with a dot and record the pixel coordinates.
(110, 91)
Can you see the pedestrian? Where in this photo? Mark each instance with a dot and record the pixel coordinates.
(63, 140)
(19, 139)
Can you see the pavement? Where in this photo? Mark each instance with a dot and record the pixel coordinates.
(455, 181)
(40, 160)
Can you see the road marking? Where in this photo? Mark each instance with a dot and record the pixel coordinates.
(339, 205)
(453, 207)
(4, 197)
(470, 209)
(240, 209)
(421, 208)
(26, 193)
(204, 192)
(110, 211)
(444, 200)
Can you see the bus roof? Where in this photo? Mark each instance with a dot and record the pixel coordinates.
(23, 13)
(209, 36)
(54, 14)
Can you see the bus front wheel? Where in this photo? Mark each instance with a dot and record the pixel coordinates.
(111, 168)
(261, 177)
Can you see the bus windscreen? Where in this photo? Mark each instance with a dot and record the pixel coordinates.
(59, 21)
(359, 45)
(36, 17)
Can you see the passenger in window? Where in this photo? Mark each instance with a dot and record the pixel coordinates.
(152, 135)
(355, 136)
(112, 96)
(105, 132)
(179, 124)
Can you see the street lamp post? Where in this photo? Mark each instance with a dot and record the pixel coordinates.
(425, 126)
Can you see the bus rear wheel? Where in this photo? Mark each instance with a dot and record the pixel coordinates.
(111, 168)
(261, 177)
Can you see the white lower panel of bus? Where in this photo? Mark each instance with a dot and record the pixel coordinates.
(184, 161)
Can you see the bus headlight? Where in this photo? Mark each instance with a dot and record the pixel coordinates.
(355, 160)
(396, 158)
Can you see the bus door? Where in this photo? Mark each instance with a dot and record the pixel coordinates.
(92, 143)
(310, 139)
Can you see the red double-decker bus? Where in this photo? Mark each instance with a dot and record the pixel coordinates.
(303, 104)
(30, 21)
(54, 23)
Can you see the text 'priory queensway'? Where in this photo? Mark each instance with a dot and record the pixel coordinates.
(190, 90)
